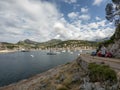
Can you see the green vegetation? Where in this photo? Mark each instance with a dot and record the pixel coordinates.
(62, 87)
(67, 63)
(114, 37)
(50, 43)
(54, 43)
(74, 43)
(68, 80)
(107, 42)
(117, 33)
(5, 45)
(101, 73)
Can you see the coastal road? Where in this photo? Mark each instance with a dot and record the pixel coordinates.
(113, 63)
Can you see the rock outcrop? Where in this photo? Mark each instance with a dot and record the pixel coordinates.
(87, 84)
(115, 48)
(114, 43)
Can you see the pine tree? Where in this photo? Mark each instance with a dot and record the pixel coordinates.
(113, 12)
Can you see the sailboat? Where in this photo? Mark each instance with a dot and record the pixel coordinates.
(51, 52)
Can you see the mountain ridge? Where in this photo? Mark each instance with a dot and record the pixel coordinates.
(53, 43)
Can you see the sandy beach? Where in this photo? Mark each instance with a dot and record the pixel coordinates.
(6, 51)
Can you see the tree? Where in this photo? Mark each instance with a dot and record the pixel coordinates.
(113, 12)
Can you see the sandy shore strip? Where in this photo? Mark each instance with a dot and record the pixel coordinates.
(7, 51)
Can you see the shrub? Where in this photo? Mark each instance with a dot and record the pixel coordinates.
(67, 81)
(67, 63)
(62, 87)
(101, 73)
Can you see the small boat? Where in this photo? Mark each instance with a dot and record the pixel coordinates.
(32, 56)
(24, 50)
(64, 51)
(71, 52)
(80, 51)
(79, 54)
(51, 53)
(57, 52)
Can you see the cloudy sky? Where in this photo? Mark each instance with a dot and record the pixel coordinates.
(42, 20)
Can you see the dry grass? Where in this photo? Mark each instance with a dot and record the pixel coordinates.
(61, 87)
(50, 80)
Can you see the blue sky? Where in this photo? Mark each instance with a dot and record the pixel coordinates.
(42, 20)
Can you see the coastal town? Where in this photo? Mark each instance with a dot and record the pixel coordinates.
(70, 45)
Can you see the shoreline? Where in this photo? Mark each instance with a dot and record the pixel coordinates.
(53, 77)
(41, 77)
(7, 51)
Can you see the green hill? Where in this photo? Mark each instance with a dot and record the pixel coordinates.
(74, 43)
(54, 43)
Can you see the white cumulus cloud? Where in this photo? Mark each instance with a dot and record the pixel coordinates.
(97, 2)
(73, 15)
(97, 18)
(41, 21)
(84, 10)
(70, 1)
(84, 17)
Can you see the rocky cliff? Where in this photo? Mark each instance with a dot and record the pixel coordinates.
(114, 43)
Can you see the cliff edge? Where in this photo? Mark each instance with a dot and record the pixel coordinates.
(113, 44)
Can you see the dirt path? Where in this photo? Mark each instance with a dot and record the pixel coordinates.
(113, 63)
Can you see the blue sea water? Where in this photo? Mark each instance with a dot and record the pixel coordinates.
(22, 65)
